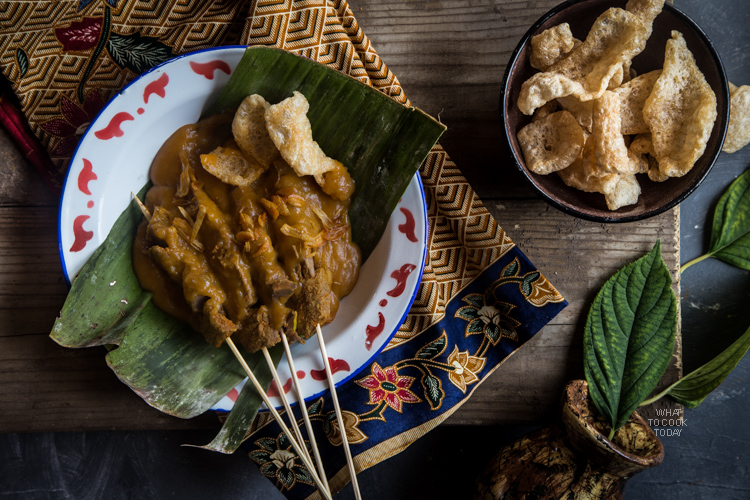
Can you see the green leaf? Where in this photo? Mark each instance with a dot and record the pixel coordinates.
(629, 336)
(162, 360)
(23, 62)
(693, 388)
(730, 233)
(137, 53)
(433, 391)
(434, 348)
(106, 296)
(171, 367)
(245, 409)
(384, 142)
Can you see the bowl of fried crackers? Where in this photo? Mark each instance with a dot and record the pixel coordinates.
(615, 111)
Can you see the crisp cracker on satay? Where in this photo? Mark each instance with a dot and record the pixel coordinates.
(230, 166)
(250, 133)
(291, 132)
(551, 143)
(615, 38)
(680, 111)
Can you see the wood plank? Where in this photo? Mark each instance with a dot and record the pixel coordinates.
(578, 257)
(74, 389)
(450, 58)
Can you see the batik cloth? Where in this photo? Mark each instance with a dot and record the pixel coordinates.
(480, 298)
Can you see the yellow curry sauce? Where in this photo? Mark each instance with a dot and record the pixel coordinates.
(248, 261)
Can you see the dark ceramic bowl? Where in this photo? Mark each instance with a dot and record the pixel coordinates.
(655, 197)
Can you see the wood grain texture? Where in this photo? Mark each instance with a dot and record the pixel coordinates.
(450, 57)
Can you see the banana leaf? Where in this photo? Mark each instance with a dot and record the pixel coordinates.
(381, 142)
(171, 367)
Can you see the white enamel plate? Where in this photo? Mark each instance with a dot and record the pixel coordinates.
(113, 160)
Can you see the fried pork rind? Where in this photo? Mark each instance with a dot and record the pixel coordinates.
(581, 110)
(551, 45)
(291, 132)
(626, 192)
(646, 10)
(545, 110)
(615, 38)
(610, 150)
(250, 133)
(681, 110)
(633, 96)
(583, 173)
(642, 145)
(551, 143)
(231, 167)
(738, 131)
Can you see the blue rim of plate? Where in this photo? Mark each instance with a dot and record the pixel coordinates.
(413, 297)
(60, 249)
(356, 371)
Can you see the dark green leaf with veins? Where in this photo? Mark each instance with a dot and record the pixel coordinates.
(629, 337)
(693, 388)
(137, 53)
(730, 232)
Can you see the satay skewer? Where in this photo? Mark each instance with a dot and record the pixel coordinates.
(303, 408)
(288, 408)
(339, 415)
(276, 415)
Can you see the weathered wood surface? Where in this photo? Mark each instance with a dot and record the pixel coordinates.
(449, 57)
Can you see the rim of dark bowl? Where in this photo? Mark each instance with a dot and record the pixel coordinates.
(631, 218)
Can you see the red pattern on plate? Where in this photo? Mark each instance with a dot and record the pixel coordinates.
(336, 365)
(400, 275)
(87, 175)
(300, 374)
(372, 332)
(208, 69)
(273, 391)
(81, 235)
(113, 128)
(233, 395)
(408, 227)
(157, 87)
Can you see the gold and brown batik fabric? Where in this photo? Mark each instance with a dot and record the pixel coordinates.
(480, 298)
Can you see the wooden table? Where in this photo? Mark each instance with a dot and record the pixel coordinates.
(450, 57)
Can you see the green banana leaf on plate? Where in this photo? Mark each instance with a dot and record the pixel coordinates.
(172, 368)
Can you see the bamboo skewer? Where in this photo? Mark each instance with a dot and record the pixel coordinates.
(339, 416)
(276, 415)
(303, 408)
(287, 407)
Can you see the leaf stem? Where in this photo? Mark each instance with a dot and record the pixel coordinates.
(655, 398)
(694, 261)
(611, 434)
